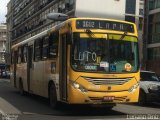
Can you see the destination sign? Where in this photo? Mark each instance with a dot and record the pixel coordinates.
(101, 24)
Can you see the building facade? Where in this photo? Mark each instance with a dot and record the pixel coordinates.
(3, 38)
(9, 32)
(27, 18)
(152, 35)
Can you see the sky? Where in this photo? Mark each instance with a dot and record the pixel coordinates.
(3, 10)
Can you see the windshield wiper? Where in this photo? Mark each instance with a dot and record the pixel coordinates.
(88, 31)
(124, 34)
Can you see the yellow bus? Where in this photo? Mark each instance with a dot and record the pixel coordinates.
(80, 61)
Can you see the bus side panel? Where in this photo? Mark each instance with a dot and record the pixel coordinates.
(50, 74)
(47, 73)
(41, 79)
(21, 75)
(24, 77)
(14, 68)
(12, 74)
(36, 82)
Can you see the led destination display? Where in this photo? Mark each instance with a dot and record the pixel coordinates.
(101, 24)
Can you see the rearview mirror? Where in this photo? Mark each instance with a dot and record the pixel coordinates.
(57, 16)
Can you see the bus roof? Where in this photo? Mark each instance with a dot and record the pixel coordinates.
(62, 23)
(105, 19)
(31, 38)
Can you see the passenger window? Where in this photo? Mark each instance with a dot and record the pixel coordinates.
(25, 54)
(38, 50)
(45, 48)
(53, 45)
(12, 57)
(19, 56)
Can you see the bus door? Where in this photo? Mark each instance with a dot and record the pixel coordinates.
(15, 67)
(63, 67)
(29, 66)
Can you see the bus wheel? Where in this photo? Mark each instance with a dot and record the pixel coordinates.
(53, 97)
(21, 89)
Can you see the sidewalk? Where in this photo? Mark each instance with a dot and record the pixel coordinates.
(4, 80)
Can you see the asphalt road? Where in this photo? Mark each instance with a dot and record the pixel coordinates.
(13, 106)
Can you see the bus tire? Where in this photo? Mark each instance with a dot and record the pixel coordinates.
(21, 89)
(53, 97)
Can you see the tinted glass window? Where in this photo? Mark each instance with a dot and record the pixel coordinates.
(100, 54)
(146, 76)
(130, 6)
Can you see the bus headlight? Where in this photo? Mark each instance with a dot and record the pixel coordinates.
(78, 86)
(133, 88)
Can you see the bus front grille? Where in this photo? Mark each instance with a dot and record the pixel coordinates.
(108, 81)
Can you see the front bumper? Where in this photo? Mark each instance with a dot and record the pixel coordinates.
(75, 96)
(153, 96)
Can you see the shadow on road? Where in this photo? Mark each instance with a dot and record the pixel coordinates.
(31, 104)
(87, 110)
(149, 105)
(153, 105)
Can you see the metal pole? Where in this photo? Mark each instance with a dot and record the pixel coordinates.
(145, 34)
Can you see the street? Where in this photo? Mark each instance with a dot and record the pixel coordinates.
(13, 106)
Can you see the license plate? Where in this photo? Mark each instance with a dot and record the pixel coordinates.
(108, 98)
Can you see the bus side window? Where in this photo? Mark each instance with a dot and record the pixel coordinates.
(22, 55)
(25, 54)
(19, 55)
(45, 48)
(12, 57)
(15, 57)
(53, 45)
(38, 50)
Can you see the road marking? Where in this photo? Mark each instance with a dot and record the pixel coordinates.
(8, 111)
(4, 116)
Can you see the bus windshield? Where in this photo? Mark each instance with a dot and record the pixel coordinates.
(104, 53)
